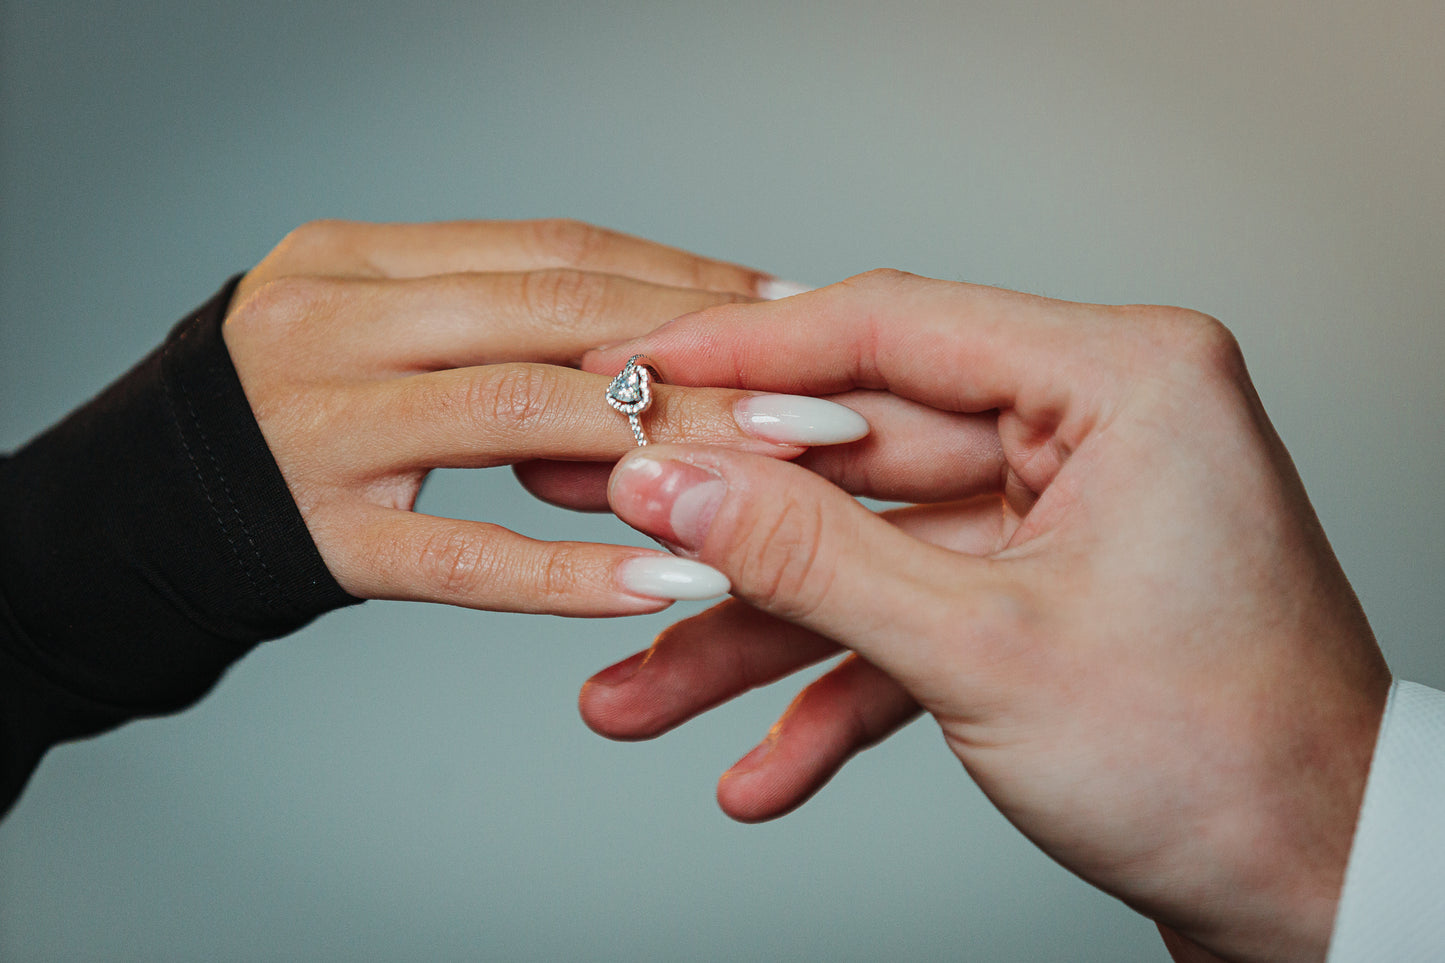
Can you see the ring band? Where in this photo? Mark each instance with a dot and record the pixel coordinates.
(631, 393)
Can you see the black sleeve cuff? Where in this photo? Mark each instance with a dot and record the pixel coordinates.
(146, 543)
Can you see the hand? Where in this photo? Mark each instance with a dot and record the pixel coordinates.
(1117, 603)
(372, 354)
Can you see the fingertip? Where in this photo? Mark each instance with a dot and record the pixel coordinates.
(671, 500)
(597, 704)
(615, 709)
(753, 791)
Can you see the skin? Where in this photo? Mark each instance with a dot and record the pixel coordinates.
(373, 353)
(1113, 596)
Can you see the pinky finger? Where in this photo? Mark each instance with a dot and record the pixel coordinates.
(849, 709)
(395, 554)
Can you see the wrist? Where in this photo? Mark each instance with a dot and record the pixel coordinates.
(1292, 835)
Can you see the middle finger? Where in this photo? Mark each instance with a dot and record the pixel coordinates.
(390, 327)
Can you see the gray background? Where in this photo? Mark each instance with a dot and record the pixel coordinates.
(399, 782)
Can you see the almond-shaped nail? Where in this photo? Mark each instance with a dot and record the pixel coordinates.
(798, 420)
(667, 577)
(775, 289)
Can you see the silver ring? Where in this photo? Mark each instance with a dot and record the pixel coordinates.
(631, 393)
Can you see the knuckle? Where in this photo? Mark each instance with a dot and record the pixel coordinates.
(1213, 346)
(285, 302)
(1196, 341)
(323, 232)
(565, 241)
(510, 397)
(560, 572)
(313, 245)
(455, 563)
(782, 563)
(564, 296)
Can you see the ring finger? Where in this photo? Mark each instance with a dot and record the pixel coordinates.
(505, 413)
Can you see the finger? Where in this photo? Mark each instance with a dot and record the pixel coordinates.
(499, 414)
(979, 526)
(458, 320)
(849, 709)
(912, 453)
(354, 249)
(694, 665)
(989, 523)
(954, 346)
(957, 347)
(802, 549)
(383, 553)
(575, 485)
(733, 648)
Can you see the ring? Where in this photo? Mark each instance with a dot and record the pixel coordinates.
(631, 393)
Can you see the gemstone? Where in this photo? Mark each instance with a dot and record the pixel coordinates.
(627, 392)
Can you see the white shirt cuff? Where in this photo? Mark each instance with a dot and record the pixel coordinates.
(1393, 903)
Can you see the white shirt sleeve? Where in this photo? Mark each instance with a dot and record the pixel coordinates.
(1392, 907)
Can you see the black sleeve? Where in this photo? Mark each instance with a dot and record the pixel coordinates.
(146, 543)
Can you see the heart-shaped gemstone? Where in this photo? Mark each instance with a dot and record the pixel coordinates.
(629, 392)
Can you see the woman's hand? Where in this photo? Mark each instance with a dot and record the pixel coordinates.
(1117, 604)
(372, 354)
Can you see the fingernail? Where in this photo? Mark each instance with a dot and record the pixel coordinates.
(773, 289)
(620, 672)
(671, 500)
(798, 420)
(666, 577)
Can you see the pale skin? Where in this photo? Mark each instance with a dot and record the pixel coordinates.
(1112, 596)
(372, 354)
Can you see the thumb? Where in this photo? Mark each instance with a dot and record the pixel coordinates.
(801, 549)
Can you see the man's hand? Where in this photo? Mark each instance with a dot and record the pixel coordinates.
(1114, 597)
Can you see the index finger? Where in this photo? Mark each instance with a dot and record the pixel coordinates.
(957, 347)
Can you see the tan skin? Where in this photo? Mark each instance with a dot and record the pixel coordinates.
(372, 354)
(1113, 596)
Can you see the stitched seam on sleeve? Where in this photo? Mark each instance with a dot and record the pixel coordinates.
(225, 487)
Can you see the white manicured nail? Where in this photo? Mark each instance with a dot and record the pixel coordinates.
(798, 420)
(774, 288)
(665, 577)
